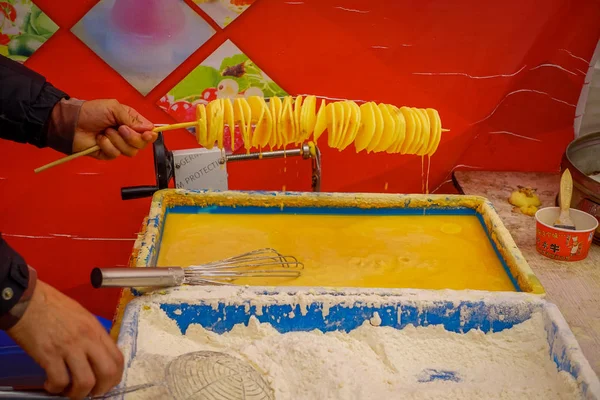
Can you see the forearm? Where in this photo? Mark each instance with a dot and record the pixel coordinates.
(17, 283)
(33, 111)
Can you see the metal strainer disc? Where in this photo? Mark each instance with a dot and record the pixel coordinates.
(208, 375)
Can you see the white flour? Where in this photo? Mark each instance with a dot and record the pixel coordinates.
(371, 362)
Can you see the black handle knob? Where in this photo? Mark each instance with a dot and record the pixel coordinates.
(137, 192)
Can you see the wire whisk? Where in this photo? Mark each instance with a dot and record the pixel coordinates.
(262, 263)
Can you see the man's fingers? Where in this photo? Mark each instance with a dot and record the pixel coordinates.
(126, 115)
(114, 352)
(109, 151)
(57, 376)
(82, 375)
(131, 137)
(150, 136)
(108, 373)
(120, 143)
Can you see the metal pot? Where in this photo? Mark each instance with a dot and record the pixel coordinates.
(582, 158)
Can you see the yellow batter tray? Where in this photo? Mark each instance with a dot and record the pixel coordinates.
(147, 247)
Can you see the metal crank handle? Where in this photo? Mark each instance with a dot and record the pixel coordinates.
(138, 192)
(137, 277)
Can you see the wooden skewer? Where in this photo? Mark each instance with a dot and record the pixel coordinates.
(97, 148)
(68, 158)
(171, 127)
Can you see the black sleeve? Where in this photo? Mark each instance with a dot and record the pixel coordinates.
(26, 102)
(14, 277)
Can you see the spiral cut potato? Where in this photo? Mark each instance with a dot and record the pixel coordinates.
(371, 127)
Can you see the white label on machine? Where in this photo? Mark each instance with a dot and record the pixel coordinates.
(198, 169)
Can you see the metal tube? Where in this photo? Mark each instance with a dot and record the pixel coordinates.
(137, 277)
(303, 151)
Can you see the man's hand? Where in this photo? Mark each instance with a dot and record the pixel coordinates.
(77, 354)
(116, 128)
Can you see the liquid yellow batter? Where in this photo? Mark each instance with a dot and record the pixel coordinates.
(430, 252)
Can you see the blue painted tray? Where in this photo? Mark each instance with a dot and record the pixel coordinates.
(219, 309)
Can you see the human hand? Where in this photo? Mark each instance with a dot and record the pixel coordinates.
(116, 128)
(65, 339)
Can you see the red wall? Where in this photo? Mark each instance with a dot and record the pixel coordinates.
(494, 70)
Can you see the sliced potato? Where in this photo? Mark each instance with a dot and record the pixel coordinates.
(243, 114)
(297, 114)
(308, 117)
(344, 124)
(409, 119)
(418, 141)
(426, 128)
(221, 124)
(266, 125)
(201, 127)
(258, 115)
(389, 128)
(286, 121)
(354, 125)
(334, 112)
(436, 130)
(211, 109)
(400, 133)
(248, 115)
(256, 108)
(292, 131)
(229, 120)
(374, 127)
(366, 128)
(275, 108)
(378, 128)
(392, 112)
(214, 123)
(321, 122)
(330, 121)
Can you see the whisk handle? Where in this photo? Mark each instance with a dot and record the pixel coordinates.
(137, 277)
